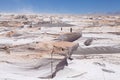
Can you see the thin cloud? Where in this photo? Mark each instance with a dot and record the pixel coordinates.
(26, 10)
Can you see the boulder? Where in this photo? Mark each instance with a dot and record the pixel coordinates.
(70, 37)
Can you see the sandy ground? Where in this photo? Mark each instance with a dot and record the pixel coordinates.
(99, 61)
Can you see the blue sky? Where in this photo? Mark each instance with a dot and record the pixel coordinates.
(60, 6)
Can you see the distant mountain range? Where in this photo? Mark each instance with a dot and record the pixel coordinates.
(114, 13)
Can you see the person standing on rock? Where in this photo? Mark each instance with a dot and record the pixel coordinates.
(71, 30)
